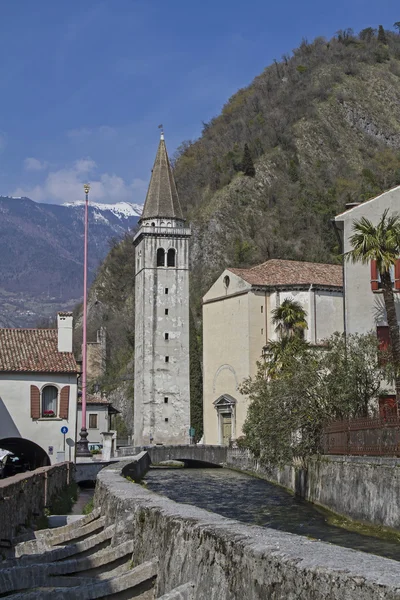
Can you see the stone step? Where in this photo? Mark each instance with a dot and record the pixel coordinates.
(183, 592)
(27, 577)
(57, 538)
(83, 520)
(92, 589)
(88, 546)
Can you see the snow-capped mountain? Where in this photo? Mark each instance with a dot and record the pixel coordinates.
(120, 209)
(41, 250)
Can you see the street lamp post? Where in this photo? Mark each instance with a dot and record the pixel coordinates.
(82, 445)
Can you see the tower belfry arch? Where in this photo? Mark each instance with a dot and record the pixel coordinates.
(162, 389)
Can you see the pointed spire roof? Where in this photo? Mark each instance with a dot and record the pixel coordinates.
(162, 197)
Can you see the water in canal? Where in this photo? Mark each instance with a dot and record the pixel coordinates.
(252, 500)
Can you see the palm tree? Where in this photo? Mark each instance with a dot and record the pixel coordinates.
(290, 319)
(381, 243)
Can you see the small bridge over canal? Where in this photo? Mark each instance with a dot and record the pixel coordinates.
(192, 456)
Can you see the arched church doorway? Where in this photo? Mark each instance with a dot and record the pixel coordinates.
(225, 406)
(30, 454)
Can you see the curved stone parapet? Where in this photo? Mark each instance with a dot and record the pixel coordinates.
(221, 559)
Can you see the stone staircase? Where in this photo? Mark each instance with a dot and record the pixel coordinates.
(78, 561)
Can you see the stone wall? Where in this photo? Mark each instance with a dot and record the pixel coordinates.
(226, 559)
(360, 487)
(24, 497)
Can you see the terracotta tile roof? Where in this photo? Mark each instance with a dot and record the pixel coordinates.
(93, 399)
(292, 272)
(33, 351)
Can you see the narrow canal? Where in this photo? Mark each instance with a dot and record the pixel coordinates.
(255, 501)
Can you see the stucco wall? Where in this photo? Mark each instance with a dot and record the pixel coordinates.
(226, 359)
(226, 559)
(24, 497)
(101, 410)
(15, 411)
(365, 309)
(237, 323)
(155, 380)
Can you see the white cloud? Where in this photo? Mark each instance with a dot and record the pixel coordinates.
(34, 164)
(66, 185)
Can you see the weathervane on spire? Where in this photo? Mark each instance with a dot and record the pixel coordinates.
(162, 131)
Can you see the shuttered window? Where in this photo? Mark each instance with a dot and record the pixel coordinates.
(35, 402)
(64, 402)
(376, 279)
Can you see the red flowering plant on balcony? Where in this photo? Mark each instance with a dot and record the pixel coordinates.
(49, 414)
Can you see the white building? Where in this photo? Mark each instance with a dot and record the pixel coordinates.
(99, 412)
(364, 307)
(162, 388)
(38, 392)
(363, 300)
(237, 324)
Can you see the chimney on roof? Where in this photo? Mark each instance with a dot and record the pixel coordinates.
(65, 331)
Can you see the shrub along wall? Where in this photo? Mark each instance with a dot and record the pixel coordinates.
(24, 497)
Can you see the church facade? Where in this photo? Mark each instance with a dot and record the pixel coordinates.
(162, 388)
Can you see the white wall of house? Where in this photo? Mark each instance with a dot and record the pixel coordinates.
(102, 420)
(15, 411)
(365, 308)
(237, 324)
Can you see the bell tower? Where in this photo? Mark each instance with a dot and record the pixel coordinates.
(162, 389)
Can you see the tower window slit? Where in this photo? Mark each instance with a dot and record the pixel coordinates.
(167, 359)
(166, 336)
(166, 311)
(166, 290)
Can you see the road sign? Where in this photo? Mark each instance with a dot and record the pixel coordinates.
(64, 430)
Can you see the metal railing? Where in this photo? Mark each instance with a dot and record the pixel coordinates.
(366, 436)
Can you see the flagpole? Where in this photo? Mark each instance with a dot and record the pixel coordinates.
(82, 445)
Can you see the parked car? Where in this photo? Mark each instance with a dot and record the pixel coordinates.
(11, 465)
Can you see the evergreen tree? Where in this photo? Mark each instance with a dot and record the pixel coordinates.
(247, 163)
(382, 35)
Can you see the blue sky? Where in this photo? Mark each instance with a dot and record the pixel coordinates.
(85, 83)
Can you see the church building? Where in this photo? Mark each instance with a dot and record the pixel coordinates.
(162, 389)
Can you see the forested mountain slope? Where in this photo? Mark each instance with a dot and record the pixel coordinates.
(323, 129)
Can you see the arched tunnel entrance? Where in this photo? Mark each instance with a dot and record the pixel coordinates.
(29, 453)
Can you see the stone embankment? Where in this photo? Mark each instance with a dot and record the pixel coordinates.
(24, 497)
(360, 487)
(84, 560)
(215, 558)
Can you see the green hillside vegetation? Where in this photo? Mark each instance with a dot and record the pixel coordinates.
(323, 129)
(320, 128)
